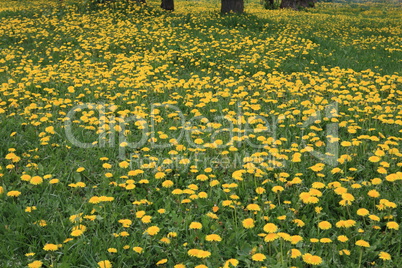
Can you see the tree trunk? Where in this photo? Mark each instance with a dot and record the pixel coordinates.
(167, 4)
(297, 4)
(236, 6)
(269, 4)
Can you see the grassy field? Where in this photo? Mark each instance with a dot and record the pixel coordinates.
(133, 137)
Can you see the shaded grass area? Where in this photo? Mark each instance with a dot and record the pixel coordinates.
(335, 47)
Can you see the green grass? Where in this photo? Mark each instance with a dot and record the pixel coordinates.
(223, 78)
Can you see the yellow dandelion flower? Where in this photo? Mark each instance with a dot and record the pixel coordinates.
(340, 190)
(30, 209)
(41, 223)
(165, 240)
(80, 184)
(172, 234)
(161, 211)
(26, 177)
(13, 157)
(344, 251)
(258, 257)
(35, 264)
(198, 141)
(50, 247)
(195, 225)
(393, 225)
(14, 193)
(308, 199)
(231, 263)
(163, 261)
(384, 256)
(226, 203)
(374, 218)
(54, 181)
(94, 200)
(294, 239)
(294, 253)
(348, 197)
(202, 195)
(373, 193)
(106, 165)
(277, 189)
(394, 177)
(281, 218)
(362, 212)
(124, 164)
(106, 198)
(248, 223)
(342, 238)
(362, 243)
(325, 240)
(77, 232)
(374, 159)
(203, 254)
(140, 214)
(317, 167)
(350, 223)
(271, 237)
(105, 264)
(213, 237)
(153, 230)
(167, 184)
(202, 177)
(146, 219)
(376, 181)
(382, 170)
(80, 227)
(237, 175)
(80, 169)
(125, 222)
(270, 228)
(177, 191)
(214, 183)
(139, 250)
(324, 225)
(186, 200)
(160, 175)
(312, 259)
(193, 252)
(318, 185)
(253, 207)
(345, 223)
(299, 222)
(260, 190)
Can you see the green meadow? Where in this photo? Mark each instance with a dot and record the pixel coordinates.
(136, 137)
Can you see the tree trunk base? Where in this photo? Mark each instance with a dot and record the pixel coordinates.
(236, 6)
(269, 4)
(297, 4)
(167, 5)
